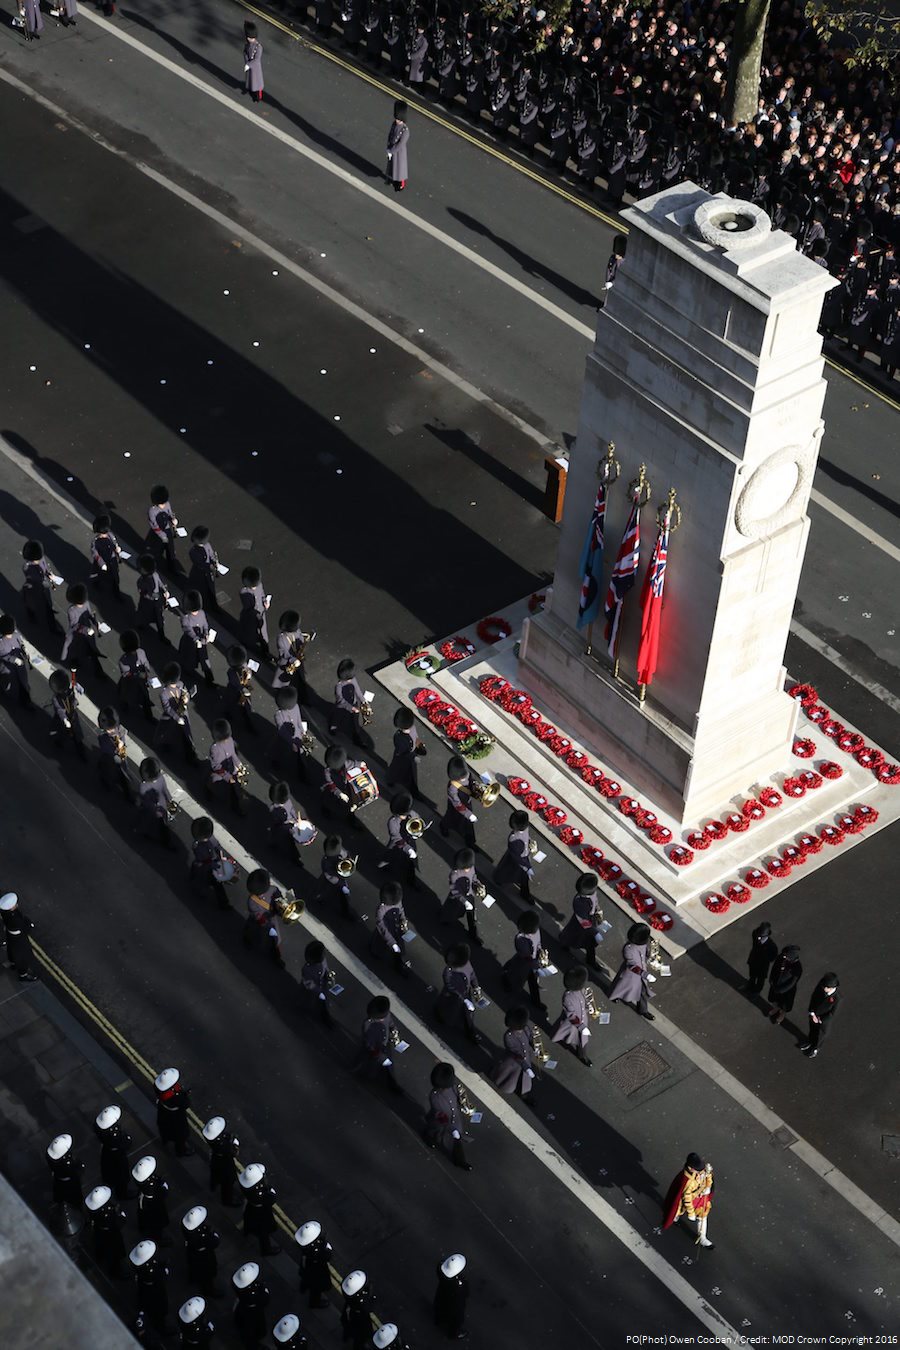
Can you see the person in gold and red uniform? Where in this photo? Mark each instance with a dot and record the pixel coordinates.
(689, 1199)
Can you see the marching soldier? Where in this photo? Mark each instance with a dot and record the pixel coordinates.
(290, 654)
(200, 1243)
(193, 649)
(226, 766)
(571, 1027)
(153, 598)
(223, 1147)
(356, 1314)
(348, 705)
(239, 687)
(173, 1102)
(315, 981)
(163, 524)
(155, 802)
(460, 994)
(195, 1330)
(262, 914)
(252, 1299)
(287, 1332)
(252, 627)
(514, 868)
(390, 925)
(336, 787)
(333, 855)
(152, 1209)
(37, 590)
(134, 675)
(105, 556)
(445, 1122)
(211, 867)
(14, 662)
(515, 1074)
(582, 929)
(81, 631)
(204, 567)
(150, 1278)
(315, 1272)
(286, 823)
(290, 749)
(175, 697)
(403, 769)
(66, 725)
(114, 1146)
(259, 1201)
(112, 741)
(17, 926)
(379, 1035)
(401, 854)
(105, 1220)
(66, 1170)
(451, 1296)
(525, 962)
(460, 902)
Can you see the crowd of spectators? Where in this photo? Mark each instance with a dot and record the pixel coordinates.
(634, 97)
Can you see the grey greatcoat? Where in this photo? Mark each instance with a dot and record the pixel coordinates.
(253, 51)
(398, 159)
(569, 1027)
(512, 1073)
(444, 1116)
(34, 19)
(459, 985)
(417, 57)
(630, 984)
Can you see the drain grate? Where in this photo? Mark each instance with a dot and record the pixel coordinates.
(636, 1068)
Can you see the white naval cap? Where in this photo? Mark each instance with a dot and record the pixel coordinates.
(454, 1265)
(167, 1079)
(245, 1275)
(144, 1168)
(352, 1283)
(59, 1147)
(110, 1115)
(9, 900)
(286, 1328)
(190, 1311)
(252, 1174)
(194, 1218)
(308, 1232)
(385, 1335)
(213, 1128)
(142, 1253)
(98, 1197)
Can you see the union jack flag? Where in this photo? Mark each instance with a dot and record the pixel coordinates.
(651, 600)
(623, 577)
(592, 563)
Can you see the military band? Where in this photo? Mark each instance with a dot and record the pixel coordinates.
(445, 1122)
(239, 687)
(293, 742)
(337, 869)
(391, 925)
(289, 827)
(459, 816)
(290, 654)
(82, 627)
(315, 981)
(408, 749)
(253, 628)
(460, 992)
(527, 959)
(106, 556)
(155, 801)
(350, 706)
(264, 901)
(66, 726)
(193, 648)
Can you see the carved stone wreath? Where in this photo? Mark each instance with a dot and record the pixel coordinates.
(765, 503)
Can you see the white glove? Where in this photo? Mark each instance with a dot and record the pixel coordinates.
(322, 997)
(246, 68)
(390, 154)
(345, 890)
(529, 1073)
(471, 816)
(470, 1006)
(411, 853)
(387, 1063)
(607, 286)
(343, 797)
(456, 1134)
(468, 904)
(394, 947)
(181, 721)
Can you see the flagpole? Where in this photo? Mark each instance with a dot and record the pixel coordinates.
(608, 470)
(590, 638)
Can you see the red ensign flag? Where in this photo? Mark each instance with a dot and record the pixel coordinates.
(651, 603)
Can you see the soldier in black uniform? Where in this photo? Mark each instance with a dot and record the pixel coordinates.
(152, 1209)
(134, 675)
(459, 815)
(514, 868)
(14, 662)
(348, 700)
(333, 854)
(460, 902)
(200, 1243)
(390, 926)
(451, 1297)
(37, 590)
(154, 801)
(152, 1296)
(66, 1170)
(223, 1147)
(105, 1220)
(582, 928)
(153, 598)
(114, 1147)
(204, 572)
(315, 981)
(356, 1314)
(16, 927)
(259, 1201)
(195, 1330)
(105, 556)
(250, 1308)
(66, 724)
(379, 1035)
(403, 768)
(211, 867)
(315, 1253)
(163, 524)
(173, 1101)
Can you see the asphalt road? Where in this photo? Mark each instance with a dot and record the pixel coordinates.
(414, 514)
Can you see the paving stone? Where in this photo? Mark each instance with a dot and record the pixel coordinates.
(38, 1038)
(60, 1059)
(16, 1012)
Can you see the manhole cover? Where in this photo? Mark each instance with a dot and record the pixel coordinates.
(890, 1143)
(784, 1136)
(636, 1068)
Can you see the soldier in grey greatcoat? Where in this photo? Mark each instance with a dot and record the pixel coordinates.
(581, 929)
(418, 55)
(134, 675)
(290, 652)
(515, 1072)
(348, 700)
(514, 868)
(460, 902)
(456, 1002)
(154, 801)
(379, 1036)
(112, 740)
(390, 925)
(175, 697)
(288, 748)
(445, 1122)
(571, 1027)
(152, 598)
(525, 962)
(253, 630)
(204, 566)
(163, 524)
(193, 649)
(82, 627)
(397, 154)
(253, 71)
(37, 589)
(630, 985)
(225, 764)
(14, 662)
(34, 20)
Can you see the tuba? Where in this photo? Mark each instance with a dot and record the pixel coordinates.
(414, 827)
(462, 1097)
(593, 1010)
(485, 793)
(346, 866)
(537, 1046)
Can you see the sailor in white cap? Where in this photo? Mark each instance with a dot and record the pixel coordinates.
(105, 1220)
(195, 1330)
(315, 1254)
(259, 1199)
(287, 1332)
(223, 1147)
(65, 1169)
(451, 1296)
(153, 1212)
(387, 1337)
(17, 926)
(172, 1105)
(356, 1314)
(200, 1243)
(151, 1294)
(114, 1147)
(252, 1297)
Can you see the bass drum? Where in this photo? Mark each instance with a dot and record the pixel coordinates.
(363, 788)
(224, 870)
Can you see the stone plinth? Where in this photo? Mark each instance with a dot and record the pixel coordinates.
(707, 368)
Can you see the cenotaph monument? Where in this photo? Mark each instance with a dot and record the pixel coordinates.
(707, 370)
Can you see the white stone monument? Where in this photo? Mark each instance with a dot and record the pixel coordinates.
(707, 367)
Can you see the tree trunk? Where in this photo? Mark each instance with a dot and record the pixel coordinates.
(746, 56)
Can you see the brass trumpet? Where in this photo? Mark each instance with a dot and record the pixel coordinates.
(289, 911)
(365, 711)
(121, 748)
(462, 1097)
(307, 743)
(485, 793)
(476, 994)
(404, 925)
(654, 955)
(593, 1010)
(298, 652)
(393, 1036)
(532, 847)
(347, 866)
(479, 890)
(537, 1046)
(171, 809)
(241, 774)
(543, 958)
(245, 679)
